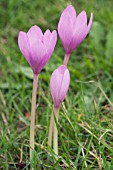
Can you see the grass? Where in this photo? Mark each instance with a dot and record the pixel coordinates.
(85, 123)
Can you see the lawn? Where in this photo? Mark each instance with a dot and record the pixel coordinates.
(86, 117)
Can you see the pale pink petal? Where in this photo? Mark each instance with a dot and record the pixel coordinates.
(36, 47)
(34, 34)
(24, 45)
(80, 34)
(71, 11)
(71, 29)
(78, 37)
(65, 85)
(62, 69)
(49, 50)
(38, 52)
(46, 38)
(90, 22)
(65, 30)
(81, 19)
(52, 43)
(59, 84)
(66, 26)
(55, 83)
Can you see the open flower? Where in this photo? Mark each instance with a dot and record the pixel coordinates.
(59, 84)
(36, 47)
(73, 29)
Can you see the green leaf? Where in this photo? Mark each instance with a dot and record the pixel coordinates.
(97, 33)
(109, 45)
(27, 71)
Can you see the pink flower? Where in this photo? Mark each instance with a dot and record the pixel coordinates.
(36, 47)
(73, 29)
(59, 84)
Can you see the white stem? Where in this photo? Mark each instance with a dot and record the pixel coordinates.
(51, 126)
(33, 109)
(66, 59)
(55, 137)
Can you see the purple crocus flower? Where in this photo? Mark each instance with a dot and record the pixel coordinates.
(73, 29)
(36, 47)
(59, 84)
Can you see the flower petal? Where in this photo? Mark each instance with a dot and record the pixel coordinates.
(34, 34)
(46, 38)
(78, 37)
(90, 22)
(55, 83)
(38, 54)
(52, 42)
(65, 30)
(71, 11)
(71, 29)
(36, 47)
(49, 51)
(65, 85)
(59, 84)
(24, 45)
(81, 19)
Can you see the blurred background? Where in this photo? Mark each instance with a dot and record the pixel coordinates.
(90, 97)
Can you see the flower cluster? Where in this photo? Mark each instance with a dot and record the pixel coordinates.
(72, 30)
(37, 48)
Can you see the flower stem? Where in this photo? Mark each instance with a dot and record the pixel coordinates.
(66, 59)
(55, 137)
(51, 126)
(33, 109)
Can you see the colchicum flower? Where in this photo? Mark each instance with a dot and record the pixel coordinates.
(73, 29)
(36, 47)
(59, 84)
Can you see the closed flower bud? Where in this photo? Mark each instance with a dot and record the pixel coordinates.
(59, 84)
